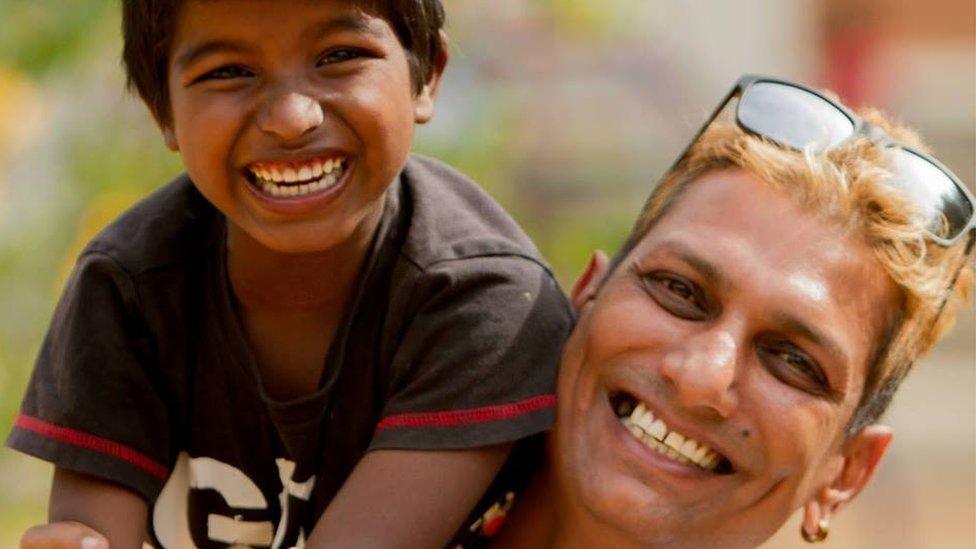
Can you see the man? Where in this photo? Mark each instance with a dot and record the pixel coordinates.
(730, 366)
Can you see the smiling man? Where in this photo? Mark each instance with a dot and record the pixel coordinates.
(730, 366)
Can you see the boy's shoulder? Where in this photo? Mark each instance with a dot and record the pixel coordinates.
(454, 219)
(170, 226)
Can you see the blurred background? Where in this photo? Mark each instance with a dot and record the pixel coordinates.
(567, 111)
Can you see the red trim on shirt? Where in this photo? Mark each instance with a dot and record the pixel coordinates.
(469, 416)
(92, 442)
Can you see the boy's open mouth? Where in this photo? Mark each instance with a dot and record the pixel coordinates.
(291, 179)
(655, 434)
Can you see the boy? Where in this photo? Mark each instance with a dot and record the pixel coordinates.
(310, 334)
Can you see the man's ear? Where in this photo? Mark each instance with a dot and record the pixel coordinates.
(423, 104)
(169, 137)
(861, 455)
(589, 282)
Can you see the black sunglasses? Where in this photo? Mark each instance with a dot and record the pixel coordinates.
(798, 117)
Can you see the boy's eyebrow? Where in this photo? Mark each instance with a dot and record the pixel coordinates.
(196, 51)
(354, 22)
(349, 22)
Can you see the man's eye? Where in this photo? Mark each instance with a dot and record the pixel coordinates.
(677, 295)
(679, 288)
(228, 72)
(339, 55)
(795, 368)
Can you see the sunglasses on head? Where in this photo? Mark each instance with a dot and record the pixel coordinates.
(798, 117)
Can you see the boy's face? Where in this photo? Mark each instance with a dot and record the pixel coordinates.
(292, 117)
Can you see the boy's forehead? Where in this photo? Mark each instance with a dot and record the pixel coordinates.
(262, 15)
(204, 26)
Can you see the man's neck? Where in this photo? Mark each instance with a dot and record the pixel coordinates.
(544, 516)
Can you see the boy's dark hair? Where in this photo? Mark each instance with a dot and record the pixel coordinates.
(148, 25)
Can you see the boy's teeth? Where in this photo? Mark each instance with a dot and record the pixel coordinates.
(282, 173)
(298, 181)
(298, 190)
(655, 435)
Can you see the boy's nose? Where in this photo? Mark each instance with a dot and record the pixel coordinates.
(703, 371)
(290, 116)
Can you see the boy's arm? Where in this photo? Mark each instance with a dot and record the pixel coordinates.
(93, 409)
(86, 511)
(116, 512)
(407, 498)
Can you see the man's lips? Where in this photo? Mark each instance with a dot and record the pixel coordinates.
(650, 430)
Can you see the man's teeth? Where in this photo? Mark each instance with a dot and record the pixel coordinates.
(287, 180)
(656, 436)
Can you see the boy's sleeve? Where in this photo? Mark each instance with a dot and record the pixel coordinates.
(477, 364)
(93, 403)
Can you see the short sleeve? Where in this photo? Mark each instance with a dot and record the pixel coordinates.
(477, 364)
(93, 403)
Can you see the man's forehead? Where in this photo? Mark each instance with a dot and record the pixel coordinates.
(738, 204)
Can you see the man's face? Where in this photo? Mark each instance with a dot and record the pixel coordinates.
(291, 117)
(737, 331)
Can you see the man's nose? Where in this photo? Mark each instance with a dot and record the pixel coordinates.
(290, 116)
(703, 372)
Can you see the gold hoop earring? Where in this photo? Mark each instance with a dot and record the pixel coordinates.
(821, 534)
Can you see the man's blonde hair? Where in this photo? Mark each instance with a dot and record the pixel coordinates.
(846, 184)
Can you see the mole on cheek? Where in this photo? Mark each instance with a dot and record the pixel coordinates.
(745, 433)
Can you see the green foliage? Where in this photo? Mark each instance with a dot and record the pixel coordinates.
(38, 36)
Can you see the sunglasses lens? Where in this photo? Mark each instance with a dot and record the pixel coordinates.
(793, 116)
(933, 191)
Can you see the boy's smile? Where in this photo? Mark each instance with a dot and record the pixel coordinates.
(292, 117)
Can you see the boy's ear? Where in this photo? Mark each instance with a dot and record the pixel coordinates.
(589, 282)
(423, 109)
(861, 456)
(169, 136)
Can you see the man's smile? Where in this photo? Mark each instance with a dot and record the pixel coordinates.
(649, 429)
(655, 434)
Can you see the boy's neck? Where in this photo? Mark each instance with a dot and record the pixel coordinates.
(262, 278)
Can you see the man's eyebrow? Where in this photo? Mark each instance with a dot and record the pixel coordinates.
(193, 53)
(705, 268)
(794, 324)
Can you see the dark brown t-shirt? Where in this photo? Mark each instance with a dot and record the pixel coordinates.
(145, 379)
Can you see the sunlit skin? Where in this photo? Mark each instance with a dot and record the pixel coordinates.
(333, 81)
(745, 322)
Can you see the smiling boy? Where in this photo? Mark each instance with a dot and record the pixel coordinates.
(311, 334)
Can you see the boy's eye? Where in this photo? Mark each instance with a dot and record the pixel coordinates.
(678, 295)
(228, 72)
(794, 367)
(339, 55)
